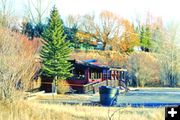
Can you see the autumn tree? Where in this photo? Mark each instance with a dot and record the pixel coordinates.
(164, 42)
(143, 69)
(55, 50)
(129, 38)
(105, 29)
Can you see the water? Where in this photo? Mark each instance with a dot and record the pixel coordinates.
(140, 98)
(150, 97)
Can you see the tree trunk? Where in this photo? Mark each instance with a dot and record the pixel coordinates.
(104, 45)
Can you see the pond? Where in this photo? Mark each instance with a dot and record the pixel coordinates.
(150, 97)
(160, 97)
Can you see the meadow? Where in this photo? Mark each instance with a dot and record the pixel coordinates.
(28, 110)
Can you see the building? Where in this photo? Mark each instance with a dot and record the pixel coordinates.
(91, 74)
(88, 76)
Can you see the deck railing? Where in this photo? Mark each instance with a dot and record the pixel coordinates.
(94, 87)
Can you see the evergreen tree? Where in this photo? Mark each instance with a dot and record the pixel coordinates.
(55, 51)
(71, 36)
(28, 30)
(145, 39)
(39, 29)
(31, 30)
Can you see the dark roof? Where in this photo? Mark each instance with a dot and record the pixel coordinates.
(93, 63)
(89, 63)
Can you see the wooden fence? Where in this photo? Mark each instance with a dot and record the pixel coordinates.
(94, 87)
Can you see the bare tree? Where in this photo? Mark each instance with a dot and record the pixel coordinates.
(35, 18)
(37, 10)
(72, 21)
(6, 11)
(169, 57)
(17, 65)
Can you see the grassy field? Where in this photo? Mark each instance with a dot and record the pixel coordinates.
(34, 111)
(64, 97)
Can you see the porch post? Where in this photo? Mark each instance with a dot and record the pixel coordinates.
(106, 78)
(87, 75)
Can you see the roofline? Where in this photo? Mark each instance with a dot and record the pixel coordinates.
(89, 64)
(118, 69)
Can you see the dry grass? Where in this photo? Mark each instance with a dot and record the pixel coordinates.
(112, 58)
(63, 97)
(35, 111)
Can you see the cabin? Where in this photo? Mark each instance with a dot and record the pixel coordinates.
(89, 75)
(87, 72)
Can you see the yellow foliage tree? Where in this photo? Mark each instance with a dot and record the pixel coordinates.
(129, 38)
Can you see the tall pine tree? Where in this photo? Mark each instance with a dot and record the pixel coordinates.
(55, 51)
(145, 38)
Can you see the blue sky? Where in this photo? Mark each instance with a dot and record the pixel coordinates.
(130, 9)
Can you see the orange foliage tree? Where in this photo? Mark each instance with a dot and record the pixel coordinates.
(129, 38)
(105, 30)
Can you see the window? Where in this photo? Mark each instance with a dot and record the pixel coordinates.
(95, 74)
(78, 74)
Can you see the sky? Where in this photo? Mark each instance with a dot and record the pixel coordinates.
(130, 9)
(167, 9)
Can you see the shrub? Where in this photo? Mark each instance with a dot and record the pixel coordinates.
(18, 65)
(143, 69)
(63, 87)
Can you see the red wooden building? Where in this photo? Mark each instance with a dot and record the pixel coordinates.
(90, 72)
(86, 75)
